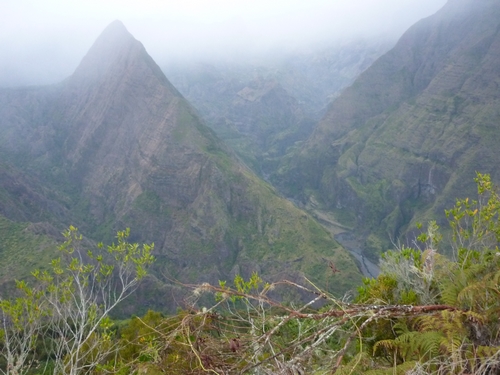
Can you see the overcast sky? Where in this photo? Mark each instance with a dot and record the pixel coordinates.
(42, 41)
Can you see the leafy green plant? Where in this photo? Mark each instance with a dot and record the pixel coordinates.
(424, 313)
(69, 310)
(22, 323)
(466, 337)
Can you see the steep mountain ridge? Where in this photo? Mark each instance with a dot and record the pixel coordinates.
(117, 146)
(405, 139)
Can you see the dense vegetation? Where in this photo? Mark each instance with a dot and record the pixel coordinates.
(392, 150)
(425, 313)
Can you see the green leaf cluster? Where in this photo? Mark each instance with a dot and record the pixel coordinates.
(465, 338)
(67, 313)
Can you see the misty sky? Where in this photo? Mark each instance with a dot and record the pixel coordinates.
(42, 41)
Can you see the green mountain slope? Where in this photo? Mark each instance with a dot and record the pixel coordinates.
(117, 146)
(406, 138)
(24, 247)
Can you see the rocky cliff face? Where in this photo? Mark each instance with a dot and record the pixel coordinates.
(115, 145)
(405, 139)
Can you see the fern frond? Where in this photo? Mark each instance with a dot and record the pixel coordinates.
(450, 290)
(408, 344)
(429, 343)
(485, 352)
(475, 317)
(389, 345)
(427, 323)
(478, 294)
(451, 345)
(401, 328)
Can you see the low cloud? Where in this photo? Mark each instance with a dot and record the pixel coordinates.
(43, 42)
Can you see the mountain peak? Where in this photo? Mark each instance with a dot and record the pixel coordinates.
(115, 28)
(115, 44)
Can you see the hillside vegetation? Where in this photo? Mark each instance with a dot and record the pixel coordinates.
(116, 146)
(424, 314)
(407, 137)
(208, 268)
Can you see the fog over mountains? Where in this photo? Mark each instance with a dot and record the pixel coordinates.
(365, 138)
(43, 42)
(263, 107)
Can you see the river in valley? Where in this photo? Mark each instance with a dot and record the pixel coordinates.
(366, 266)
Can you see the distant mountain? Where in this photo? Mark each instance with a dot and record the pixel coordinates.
(407, 137)
(116, 145)
(264, 106)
